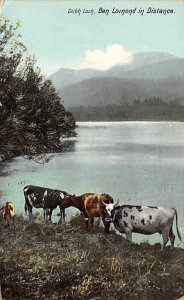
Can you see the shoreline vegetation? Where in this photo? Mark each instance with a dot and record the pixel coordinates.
(152, 109)
(39, 261)
(32, 118)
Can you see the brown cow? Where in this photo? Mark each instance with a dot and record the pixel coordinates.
(8, 212)
(91, 205)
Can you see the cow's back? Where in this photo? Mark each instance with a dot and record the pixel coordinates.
(143, 219)
(34, 195)
(41, 197)
(30, 189)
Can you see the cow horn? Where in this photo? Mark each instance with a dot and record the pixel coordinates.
(105, 203)
(116, 203)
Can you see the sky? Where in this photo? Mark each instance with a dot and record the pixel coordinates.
(96, 34)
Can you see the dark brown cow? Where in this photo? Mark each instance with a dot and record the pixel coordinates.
(91, 205)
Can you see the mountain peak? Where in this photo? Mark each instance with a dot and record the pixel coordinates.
(146, 65)
(146, 58)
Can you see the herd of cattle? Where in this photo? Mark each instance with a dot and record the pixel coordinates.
(126, 218)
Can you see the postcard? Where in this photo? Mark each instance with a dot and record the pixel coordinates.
(91, 149)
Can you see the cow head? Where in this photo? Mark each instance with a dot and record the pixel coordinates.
(63, 196)
(107, 198)
(110, 211)
(66, 200)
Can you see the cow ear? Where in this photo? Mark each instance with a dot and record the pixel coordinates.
(117, 207)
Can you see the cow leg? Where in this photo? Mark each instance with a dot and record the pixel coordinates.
(86, 218)
(50, 215)
(106, 225)
(107, 228)
(128, 234)
(45, 214)
(62, 215)
(165, 235)
(91, 220)
(86, 222)
(25, 208)
(29, 208)
(7, 221)
(13, 220)
(172, 237)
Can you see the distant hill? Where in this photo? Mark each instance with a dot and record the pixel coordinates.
(159, 63)
(65, 77)
(103, 91)
(151, 74)
(166, 69)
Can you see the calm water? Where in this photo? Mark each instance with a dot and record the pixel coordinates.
(135, 162)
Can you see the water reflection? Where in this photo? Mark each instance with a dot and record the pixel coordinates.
(7, 167)
(68, 145)
(4, 170)
(162, 150)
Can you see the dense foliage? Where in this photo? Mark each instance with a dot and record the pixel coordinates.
(153, 109)
(32, 119)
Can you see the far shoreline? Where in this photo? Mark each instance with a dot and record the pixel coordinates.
(129, 121)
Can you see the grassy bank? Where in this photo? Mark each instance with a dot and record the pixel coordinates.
(67, 262)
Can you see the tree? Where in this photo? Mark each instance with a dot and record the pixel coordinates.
(32, 118)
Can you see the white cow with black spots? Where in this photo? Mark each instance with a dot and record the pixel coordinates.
(144, 220)
(46, 198)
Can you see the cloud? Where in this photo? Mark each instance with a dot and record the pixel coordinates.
(97, 59)
(113, 55)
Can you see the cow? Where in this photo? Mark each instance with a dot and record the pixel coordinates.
(144, 220)
(46, 198)
(91, 205)
(8, 212)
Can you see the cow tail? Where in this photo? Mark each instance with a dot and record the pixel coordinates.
(25, 206)
(179, 235)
